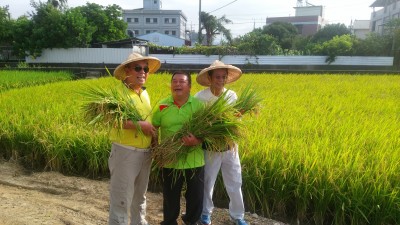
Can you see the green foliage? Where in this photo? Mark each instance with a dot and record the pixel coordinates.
(213, 26)
(76, 27)
(338, 45)
(373, 45)
(284, 32)
(257, 43)
(5, 26)
(107, 22)
(22, 41)
(329, 31)
(197, 49)
(79, 30)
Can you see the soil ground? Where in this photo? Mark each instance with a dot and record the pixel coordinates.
(28, 197)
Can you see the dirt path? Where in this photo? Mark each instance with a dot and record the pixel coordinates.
(52, 198)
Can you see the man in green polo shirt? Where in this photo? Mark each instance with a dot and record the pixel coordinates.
(171, 113)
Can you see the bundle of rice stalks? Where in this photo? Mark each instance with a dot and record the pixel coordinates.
(248, 101)
(109, 107)
(214, 124)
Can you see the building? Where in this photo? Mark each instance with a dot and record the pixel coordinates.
(360, 28)
(389, 9)
(163, 39)
(151, 18)
(308, 19)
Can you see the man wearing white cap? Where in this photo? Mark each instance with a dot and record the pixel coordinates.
(130, 158)
(215, 77)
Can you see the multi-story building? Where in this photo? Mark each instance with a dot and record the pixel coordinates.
(151, 18)
(308, 19)
(389, 9)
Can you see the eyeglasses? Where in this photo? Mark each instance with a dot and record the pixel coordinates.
(139, 68)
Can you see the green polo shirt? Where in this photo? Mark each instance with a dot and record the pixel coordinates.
(131, 137)
(170, 118)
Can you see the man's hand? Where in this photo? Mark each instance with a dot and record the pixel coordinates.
(147, 128)
(190, 140)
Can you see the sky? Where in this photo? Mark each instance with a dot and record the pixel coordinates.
(245, 14)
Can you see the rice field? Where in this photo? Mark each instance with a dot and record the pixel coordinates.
(323, 149)
(10, 79)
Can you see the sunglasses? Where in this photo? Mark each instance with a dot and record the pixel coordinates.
(139, 68)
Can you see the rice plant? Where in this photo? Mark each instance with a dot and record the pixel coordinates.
(110, 107)
(324, 149)
(214, 124)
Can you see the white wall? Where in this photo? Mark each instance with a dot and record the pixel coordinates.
(118, 55)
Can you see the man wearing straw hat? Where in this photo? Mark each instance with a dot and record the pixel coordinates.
(130, 158)
(215, 77)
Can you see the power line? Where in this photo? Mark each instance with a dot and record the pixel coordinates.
(222, 6)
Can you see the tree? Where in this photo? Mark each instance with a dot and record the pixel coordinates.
(22, 41)
(107, 21)
(257, 43)
(284, 32)
(213, 26)
(49, 30)
(373, 45)
(50, 27)
(5, 26)
(79, 30)
(329, 31)
(338, 45)
(58, 4)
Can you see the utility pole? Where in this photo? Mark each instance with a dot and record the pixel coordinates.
(199, 34)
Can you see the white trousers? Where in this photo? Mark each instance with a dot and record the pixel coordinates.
(130, 170)
(229, 163)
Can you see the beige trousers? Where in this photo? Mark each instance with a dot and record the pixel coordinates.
(129, 169)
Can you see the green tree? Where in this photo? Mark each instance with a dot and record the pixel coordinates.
(302, 44)
(257, 43)
(373, 45)
(338, 45)
(107, 21)
(48, 28)
(213, 26)
(329, 31)
(284, 32)
(79, 31)
(58, 4)
(5, 26)
(22, 40)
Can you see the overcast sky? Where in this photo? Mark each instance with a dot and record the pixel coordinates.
(245, 14)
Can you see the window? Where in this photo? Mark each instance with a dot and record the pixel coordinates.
(166, 32)
(173, 32)
(173, 20)
(136, 20)
(151, 20)
(129, 20)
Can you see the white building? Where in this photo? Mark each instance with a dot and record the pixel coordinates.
(388, 10)
(151, 18)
